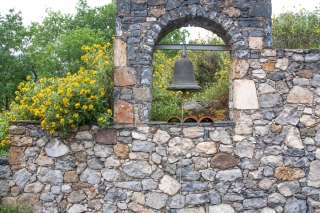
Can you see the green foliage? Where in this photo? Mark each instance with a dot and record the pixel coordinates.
(175, 37)
(56, 43)
(207, 63)
(61, 103)
(164, 102)
(297, 30)
(63, 55)
(216, 95)
(98, 18)
(12, 34)
(7, 208)
(50, 48)
(215, 85)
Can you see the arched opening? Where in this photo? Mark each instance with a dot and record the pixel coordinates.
(136, 43)
(211, 70)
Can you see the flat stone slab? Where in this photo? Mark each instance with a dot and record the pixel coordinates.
(245, 95)
(287, 173)
(223, 161)
(106, 137)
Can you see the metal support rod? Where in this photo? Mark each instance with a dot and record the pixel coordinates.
(184, 52)
(193, 47)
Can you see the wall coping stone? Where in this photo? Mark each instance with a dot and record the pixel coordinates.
(204, 124)
(24, 122)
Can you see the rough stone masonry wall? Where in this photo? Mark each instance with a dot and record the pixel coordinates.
(268, 162)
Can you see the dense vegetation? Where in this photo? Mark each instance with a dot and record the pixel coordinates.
(63, 102)
(211, 70)
(50, 48)
(297, 29)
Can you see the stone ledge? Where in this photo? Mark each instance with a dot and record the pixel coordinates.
(24, 122)
(204, 124)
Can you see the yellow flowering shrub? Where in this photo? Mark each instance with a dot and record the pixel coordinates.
(61, 103)
(4, 131)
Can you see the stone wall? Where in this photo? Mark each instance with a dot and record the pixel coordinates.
(141, 24)
(269, 161)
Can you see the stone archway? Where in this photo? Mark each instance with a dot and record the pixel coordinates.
(141, 24)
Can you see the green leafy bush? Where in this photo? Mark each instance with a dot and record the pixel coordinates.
(297, 29)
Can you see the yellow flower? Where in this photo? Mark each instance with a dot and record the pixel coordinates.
(90, 106)
(28, 77)
(75, 115)
(86, 80)
(109, 111)
(70, 121)
(100, 119)
(53, 124)
(60, 91)
(62, 121)
(100, 53)
(77, 105)
(85, 107)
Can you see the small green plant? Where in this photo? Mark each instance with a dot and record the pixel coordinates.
(7, 208)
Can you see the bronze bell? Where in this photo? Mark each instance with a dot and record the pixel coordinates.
(183, 74)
